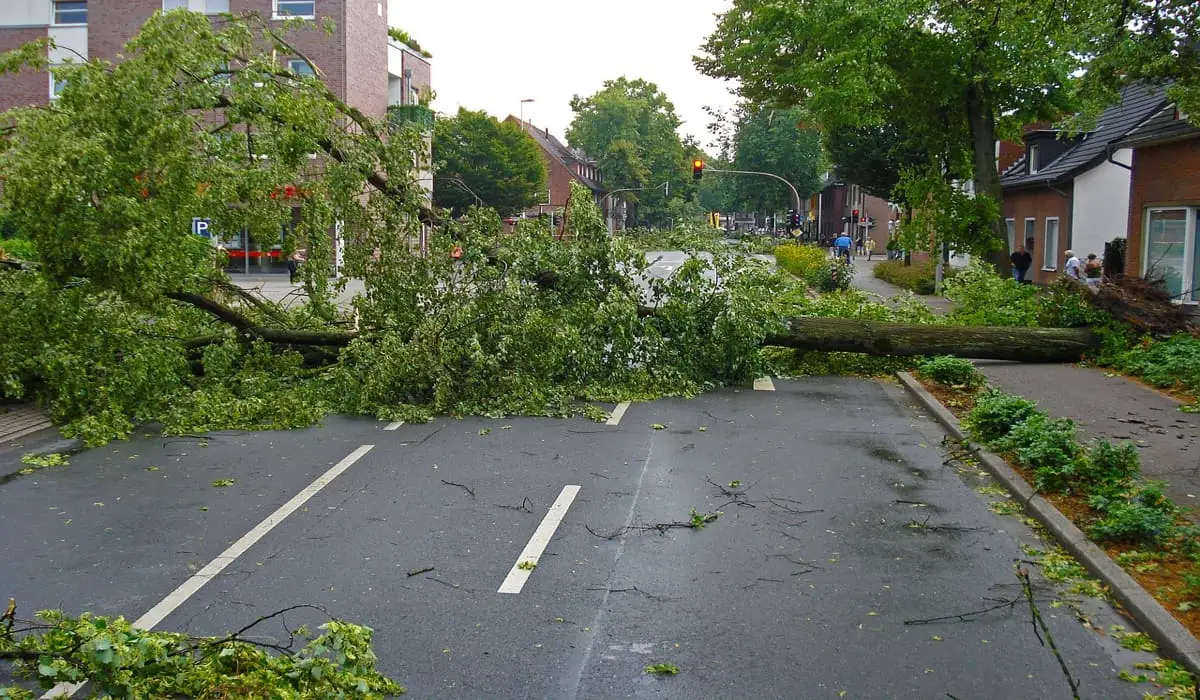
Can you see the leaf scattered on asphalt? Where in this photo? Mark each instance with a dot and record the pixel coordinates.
(485, 431)
(222, 483)
(527, 565)
(658, 426)
(665, 669)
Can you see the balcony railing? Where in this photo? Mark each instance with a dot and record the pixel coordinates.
(400, 115)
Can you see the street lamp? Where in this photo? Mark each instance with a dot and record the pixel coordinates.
(529, 99)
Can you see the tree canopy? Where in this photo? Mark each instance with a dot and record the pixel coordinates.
(953, 76)
(774, 141)
(495, 160)
(631, 128)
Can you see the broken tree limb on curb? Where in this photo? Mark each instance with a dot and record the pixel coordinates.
(981, 342)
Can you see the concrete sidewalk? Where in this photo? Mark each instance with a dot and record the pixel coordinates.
(865, 279)
(1103, 404)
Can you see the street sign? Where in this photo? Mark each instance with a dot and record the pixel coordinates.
(201, 227)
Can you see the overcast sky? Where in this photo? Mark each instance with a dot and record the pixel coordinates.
(491, 54)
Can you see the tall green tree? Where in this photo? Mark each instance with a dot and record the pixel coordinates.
(631, 128)
(960, 72)
(874, 157)
(498, 161)
(774, 141)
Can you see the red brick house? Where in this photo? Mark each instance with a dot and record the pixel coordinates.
(564, 165)
(837, 203)
(1164, 209)
(1072, 191)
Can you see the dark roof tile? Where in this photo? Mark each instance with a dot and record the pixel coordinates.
(1137, 102)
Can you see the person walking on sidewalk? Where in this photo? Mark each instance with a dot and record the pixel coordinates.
(1093, 270)
(843, 244)
(1021, 262)
(870, 248)
(1074, 267)
(294, 260)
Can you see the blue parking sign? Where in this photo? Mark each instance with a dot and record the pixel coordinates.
(201, 227)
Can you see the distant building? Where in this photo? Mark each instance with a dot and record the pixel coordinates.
(564, 165)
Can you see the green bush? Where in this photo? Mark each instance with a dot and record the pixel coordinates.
(996, 413)
(917, 278)
(800, 260)
(1049, 447)
(983, 298)
(950, 371)
(1171, 363)
(1110, 466)
(1143, 515)
(1064, 304)
(18, 248)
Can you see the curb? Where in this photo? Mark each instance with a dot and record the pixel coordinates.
(1174, 640)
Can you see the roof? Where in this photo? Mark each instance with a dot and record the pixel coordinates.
(1163, 127)
(559, 151)
(1137, 103)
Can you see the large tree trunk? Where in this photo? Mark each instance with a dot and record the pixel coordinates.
(982, 120)
(983, 343)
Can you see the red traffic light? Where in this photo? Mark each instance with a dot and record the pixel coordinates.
(697, 169)
(856, 212)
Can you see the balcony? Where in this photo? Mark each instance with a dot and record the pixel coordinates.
(418, 116)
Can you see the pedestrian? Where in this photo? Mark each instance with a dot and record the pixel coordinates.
(870, 248)
(859, 247)
(1074, 267)
(295, 259)
(1093, 270)
(1021, 262)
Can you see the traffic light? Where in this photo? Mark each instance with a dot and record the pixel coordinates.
(697, 169)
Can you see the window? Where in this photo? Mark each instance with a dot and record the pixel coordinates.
(295, 8)
(1011, 226)
(70, 12)
(1033, 160)
(300, 67)
(214, 7)
(1170, 251)
(169, 5)
(1030, 225)
(56, 86)
(1050, 252)
(210, 7)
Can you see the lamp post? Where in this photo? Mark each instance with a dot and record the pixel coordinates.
(528, 99)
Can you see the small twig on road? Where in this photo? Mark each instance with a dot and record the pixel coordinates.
(774, 501)
(598, 475)
(464, 487)
(964, 617)
(631, 589)
(431, 434)
(526, 506)
(1037, 621)
(911, 503)
(418, 572)
(797, 562)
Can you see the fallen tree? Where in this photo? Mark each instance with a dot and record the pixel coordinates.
(980, 342)
(126, 319)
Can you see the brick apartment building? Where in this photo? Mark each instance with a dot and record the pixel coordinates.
(361, 64)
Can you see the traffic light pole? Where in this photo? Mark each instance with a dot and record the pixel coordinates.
(792, 187)
(666, 188)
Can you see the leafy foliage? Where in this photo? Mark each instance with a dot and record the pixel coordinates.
(118, 660)
(918, 278)
(630, 126)
(1140, 515)
(1170, 363)
(17, 249)
(996, 413)
(1048, 447)
(951, 371)
(497, 161)
(775, 141)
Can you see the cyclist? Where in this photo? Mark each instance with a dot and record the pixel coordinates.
(843, 243)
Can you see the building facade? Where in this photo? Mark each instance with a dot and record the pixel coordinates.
(1071, 191)
(1164, 210)
(564, 166)
(357, 61)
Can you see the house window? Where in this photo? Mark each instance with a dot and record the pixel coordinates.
(56, 86)
(1010, 226)
(1033, 160)
(1170, 251)
(216, 7)
(169, 5)
(1030, 225)
(300, 67)
(1050, 252)
(70, 12)
(295, 8)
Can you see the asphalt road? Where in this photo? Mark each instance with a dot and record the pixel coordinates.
(799, 589)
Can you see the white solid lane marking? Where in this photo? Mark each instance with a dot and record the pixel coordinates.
(617, 414)
(394, 425)
(764, 384)
(515, 581)
(189, 587)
